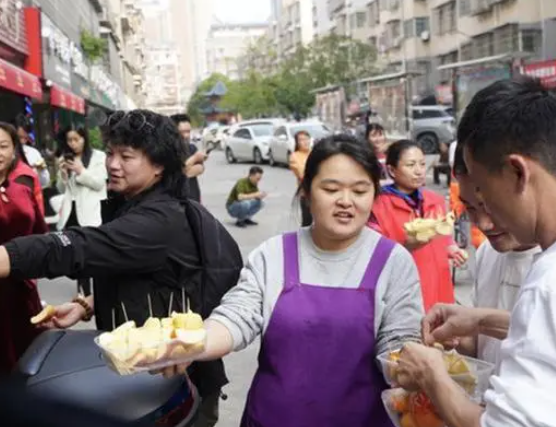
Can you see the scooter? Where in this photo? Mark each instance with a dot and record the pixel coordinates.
(67, 365)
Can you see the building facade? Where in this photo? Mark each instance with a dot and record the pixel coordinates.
(226, 43)
(421, 35)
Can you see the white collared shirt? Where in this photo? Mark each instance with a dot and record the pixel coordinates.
(497, 285)
(523, 393)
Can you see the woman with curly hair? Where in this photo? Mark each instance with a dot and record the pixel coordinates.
(145, 250)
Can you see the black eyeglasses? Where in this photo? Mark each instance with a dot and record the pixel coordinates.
(135, 120)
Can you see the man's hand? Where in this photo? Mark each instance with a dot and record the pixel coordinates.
(458, 255)
(262, 195)
(417, 365)
(447, 323)
(66, 316)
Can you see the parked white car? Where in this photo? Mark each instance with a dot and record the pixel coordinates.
(283, 141)
(250, 140)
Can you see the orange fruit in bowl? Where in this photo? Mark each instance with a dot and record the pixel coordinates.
(423, 411)
(406, 420)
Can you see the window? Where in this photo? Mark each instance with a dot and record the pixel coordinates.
(484, 45)
(421, 25)
(467, 52)
(361, 18)
(408, 28)
(531, 40)
(506, 39)
(464, 7)
(262, 129)
(374, 13)
(243, 134)
(281, 131)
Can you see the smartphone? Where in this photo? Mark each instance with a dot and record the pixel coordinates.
(69, 156)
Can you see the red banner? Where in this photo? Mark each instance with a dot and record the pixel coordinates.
(65, 99)
(544, 70)
(20, 81)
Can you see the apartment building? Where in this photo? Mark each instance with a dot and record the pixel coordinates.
(421, 35)
(163, 79)
(129, 32)
(226, 43)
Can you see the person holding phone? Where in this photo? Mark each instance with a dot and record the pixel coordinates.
(195, 163)
(82, 180)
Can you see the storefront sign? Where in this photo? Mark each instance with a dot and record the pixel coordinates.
(544, 70)
(17, 80)
(61, 56)
(65, 99)
(109, 90)
(12, 25)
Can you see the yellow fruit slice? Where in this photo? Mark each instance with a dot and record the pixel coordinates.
(45, 315)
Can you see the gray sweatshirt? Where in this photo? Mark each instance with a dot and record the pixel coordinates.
(246, 309)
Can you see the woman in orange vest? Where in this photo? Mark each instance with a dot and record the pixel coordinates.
(402, 202)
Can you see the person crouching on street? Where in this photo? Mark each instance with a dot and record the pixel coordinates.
(245, 199)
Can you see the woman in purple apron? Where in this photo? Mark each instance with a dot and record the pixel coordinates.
(327, 300)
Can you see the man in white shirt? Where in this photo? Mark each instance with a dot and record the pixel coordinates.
(34, 157)
(509, 136)
(502, 263)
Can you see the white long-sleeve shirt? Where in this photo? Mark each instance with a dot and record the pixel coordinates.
(522, 394)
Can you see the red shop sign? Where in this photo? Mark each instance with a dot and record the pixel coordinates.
(544, 70)
(65, 99)
(20, 81)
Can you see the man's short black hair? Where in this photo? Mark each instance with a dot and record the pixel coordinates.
(255, 170)
(180, 118)
(513, 116)
(459, 167)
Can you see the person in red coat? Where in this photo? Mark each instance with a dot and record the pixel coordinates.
(402, 202)
(20, 215)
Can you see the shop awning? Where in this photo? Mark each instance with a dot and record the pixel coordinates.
(65, 99)
(17, 80)
(544, 70)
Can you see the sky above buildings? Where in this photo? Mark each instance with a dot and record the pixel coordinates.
(242, 11)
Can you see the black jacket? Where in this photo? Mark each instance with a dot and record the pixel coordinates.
(142, 251)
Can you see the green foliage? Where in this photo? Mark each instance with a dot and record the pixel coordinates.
(267, 90)
(93, 47)
(95, 138)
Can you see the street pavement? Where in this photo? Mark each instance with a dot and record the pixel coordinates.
(278, 215)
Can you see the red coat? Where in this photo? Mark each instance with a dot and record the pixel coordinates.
(23, 169)
(19, 299)
(389, 214)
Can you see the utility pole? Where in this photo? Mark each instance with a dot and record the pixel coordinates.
(543, 29)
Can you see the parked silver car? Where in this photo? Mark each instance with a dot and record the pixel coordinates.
(432, 125)
(250, 141)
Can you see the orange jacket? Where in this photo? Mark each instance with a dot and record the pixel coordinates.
(389, 215)
(298, 159)
(477, 237)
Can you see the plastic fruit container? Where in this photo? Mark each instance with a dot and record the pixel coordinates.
(471, 374)
(158, 344)
(410, 409)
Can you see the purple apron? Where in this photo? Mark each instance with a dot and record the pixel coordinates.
(317, 361)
